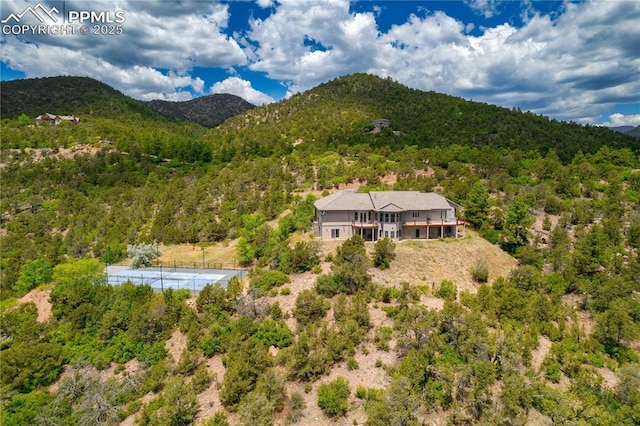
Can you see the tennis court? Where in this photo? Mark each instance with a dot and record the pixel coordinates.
(160, 279)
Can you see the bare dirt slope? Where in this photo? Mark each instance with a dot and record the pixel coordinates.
(41, 299)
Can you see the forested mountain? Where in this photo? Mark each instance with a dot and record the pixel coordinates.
(208, 111)
(80, 96)
(554, 340)
(635, 132)
(339, 112)
(622, 129)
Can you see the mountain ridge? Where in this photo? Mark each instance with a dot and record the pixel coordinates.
(70, 95)
(337, 112)
(208, 111)
(342, 111)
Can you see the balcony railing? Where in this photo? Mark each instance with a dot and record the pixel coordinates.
(365, 225)
(427, 223)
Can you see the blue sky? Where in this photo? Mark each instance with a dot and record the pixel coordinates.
(570, 60)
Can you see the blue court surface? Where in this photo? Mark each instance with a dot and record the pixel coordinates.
(159, 279)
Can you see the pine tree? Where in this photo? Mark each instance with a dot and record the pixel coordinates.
(516, 225)
(476, 209)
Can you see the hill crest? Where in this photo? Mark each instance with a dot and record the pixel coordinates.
(208, 111)
(68, 95)
(343, 110)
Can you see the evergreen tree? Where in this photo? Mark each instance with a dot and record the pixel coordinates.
(476, 209)
(516, 225)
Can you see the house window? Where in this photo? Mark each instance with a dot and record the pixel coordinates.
(335, 233)
(393, 217)
(417, 232)
(386, 234)
(355, 216)
(393, 234)
(415, 215)
(386, 218)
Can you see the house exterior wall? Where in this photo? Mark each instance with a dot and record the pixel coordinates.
(330, 221)
(423, 224)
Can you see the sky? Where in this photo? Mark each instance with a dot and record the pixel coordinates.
(569, 60)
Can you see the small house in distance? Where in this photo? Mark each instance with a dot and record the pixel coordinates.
(55, 119)
(397, 215)
(381, 123)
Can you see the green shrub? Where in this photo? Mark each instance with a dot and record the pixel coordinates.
(447, 290)
(310, 307)
(274, 333)
(296, 405)
(489, 234)
(304, 256)
(551, 370)
(327, 285)
(297, 401)
(32, 274)
(383, 253)
(270, 279)
(332, 397)
(352, 364)
(382, 337)
(189, 362)
(218, 419)
(480, 271)
(201, 379)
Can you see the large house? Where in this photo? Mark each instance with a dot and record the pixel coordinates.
(385, 214)
(47, 118)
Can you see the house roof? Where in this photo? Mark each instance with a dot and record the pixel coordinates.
(347, 199)
(68, 117)
(46, 116)
(385, 201)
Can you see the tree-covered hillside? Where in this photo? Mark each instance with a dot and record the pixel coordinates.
(325, 331)
(208, 111)
(342, 111)
(81, 96)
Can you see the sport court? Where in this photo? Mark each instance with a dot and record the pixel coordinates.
(160, 279)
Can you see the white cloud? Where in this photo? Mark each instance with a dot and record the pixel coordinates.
(136, 81)
(349, 42)
(574, 64)
(617, 120)
(264, 3)
(488, 8)
(156, 36)
(239, 87)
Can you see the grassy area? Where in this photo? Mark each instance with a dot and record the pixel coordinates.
(214, 255)
(7, 304)
(420, 262)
